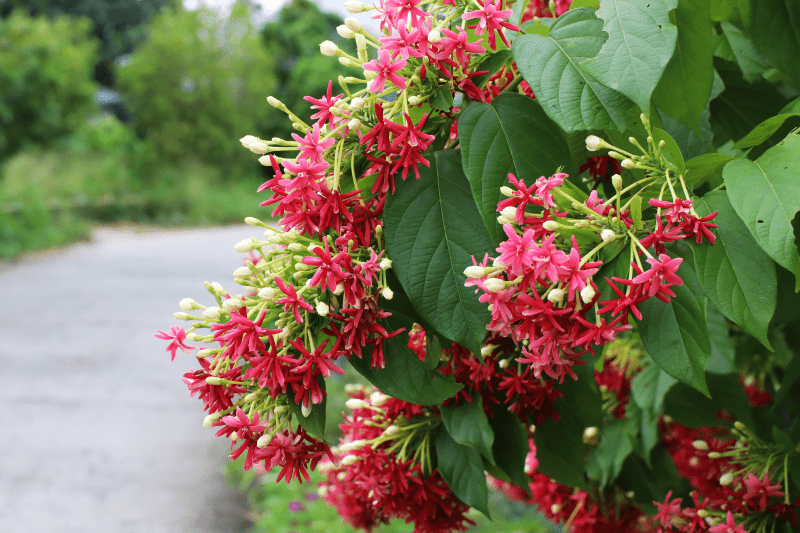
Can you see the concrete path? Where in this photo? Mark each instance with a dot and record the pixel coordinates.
(97, 431)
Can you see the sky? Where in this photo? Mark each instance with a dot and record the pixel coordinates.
(270, 8)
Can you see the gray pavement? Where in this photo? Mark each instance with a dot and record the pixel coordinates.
(98, 432)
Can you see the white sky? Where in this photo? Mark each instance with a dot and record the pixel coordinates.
(270, 8)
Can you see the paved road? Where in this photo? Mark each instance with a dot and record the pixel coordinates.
(98, 433)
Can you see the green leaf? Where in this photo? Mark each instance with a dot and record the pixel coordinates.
(764, 131)
(551, 66)
(690, 408)
(732, 10)
(641, 41)
(743, 52)
(432, 230)
(706, 168)
(491, 62)
(686, 84)
(775, 30)
(511, 135)
(650, 386)
(468, 425)
(560, 449)
(723, 354)
(433, 351)
(510, 447)
(593, 4)
(766, 194)
(405, 377)
(734, 272)
(671, 150)
(314, 423)
(462, 469)
(675, 333)
(442, 99)
(605, 462)
(516, 18)
(636, 211)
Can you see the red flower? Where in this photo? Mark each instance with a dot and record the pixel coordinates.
(292, 302)
(492, 19)
(177, 337)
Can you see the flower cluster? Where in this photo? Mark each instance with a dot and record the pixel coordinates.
(385, 471)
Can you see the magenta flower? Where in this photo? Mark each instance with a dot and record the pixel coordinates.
(728, 527)
(292, 302)
(518, 251)
(177, 337)
(386, 70)
(492, 19)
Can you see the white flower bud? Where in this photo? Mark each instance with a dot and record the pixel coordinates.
(556, 295)
(371, 75)
(210, 419)
(378, 398)
(246, 140)
(555, 508)
(700, 445)
(434, 36)
(594, 143)
(627, 163)
(265, 161)
(550, 225)
(328, 48)
(487, 350)
(355, 7)
(509, 212)
(242, 272)
(243, 246)
(267, 293)
(323, 309)
(589, 433)
(280, 409)
(181, 316)
(252, 221)
(352, 24)
(503, 363)
(217, 288)
(213, 380)
(587, 293)
(306, 410)
(339, 289)
(615, 155)
(385, 264)
(726, 479)
(349, 460)
(387, 293)
(357, 103)
(205, 352)
(232, 305)
(608, 235)
(354, 124)
(274, 102)
(212, 313)
(258, 147)
(187, 304)
(391, 431)
(507, 191)
(474, 272)
(414, 100)
(344, 31)
(494, 285)
(616, 181)
(355, 403)
(295, 247)
(341, 476)
(264, 440)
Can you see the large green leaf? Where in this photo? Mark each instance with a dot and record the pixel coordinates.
(551, 66)
(686, 84)
(605, 462)
(468, 425)
(675, 333)
(734, 272)
(766, 194)
(764, 131)
(462, 469)
(775, 29)
(641, 41)
(432, 230)
(560, 449)
(650, 386)
(690, 408)
(706, 168)
(723, 354)
(731, 10)
(405, 377)
(735, 46)
(510, 447)
(512, 134)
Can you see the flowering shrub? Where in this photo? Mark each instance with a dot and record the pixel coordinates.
(558, 241)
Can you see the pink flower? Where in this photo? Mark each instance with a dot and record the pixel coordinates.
(324, 106)
(518, 251)
(457, 43)
(292, 302)
(668, 510)
(310, 146)
(545, 185)
(663, 273)
(728, 527)
(177, 337)
(492, 18)
(386, 69)
(761, 488)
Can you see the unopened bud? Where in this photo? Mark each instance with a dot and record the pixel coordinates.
(662, 143)
(232, 305)
(205, 352)
(258, 147)
(594, 143)
(181, 316)
(355, 7)
(328, 48)
(243, 246)
(213, 380)
(323, 309)
(474, 272)
(280, 409)
(587, 294)
(264, 440)
(357, 103)
(494, 285)
(550, 225)
(608, 235)
(354, 124)
(509, 212)
(378, 398)
(627, 164)
(391, 431)
(711, 455)
(210, 419)
(295, 247)
(555, 508)
(387, 293)
(434, 36)
(487, 350)
(352, 24)
(274, 102)
(700, 445)
(187, 304)
(414, 100)
(306, 410)
(355, 403)
(590, 433)
(349, 460)
(726, 479)
(556, 295)
(616, 181)
(385, 264)
(344, 31)
(212, 313)
(339, 289)
(247, 139)
(507, 191)
(265, 161)
(242, 272)
(503, 363)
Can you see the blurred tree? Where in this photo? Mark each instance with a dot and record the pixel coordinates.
(46, 87)
(294, 37)
(198, 84)
(119, 25)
